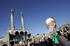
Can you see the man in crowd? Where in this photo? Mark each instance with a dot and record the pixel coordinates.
(51, 25)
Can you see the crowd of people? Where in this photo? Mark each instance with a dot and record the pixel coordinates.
(53, 41)
(47, 42)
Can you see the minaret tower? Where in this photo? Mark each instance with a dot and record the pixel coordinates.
(22, 21)
(12, 20)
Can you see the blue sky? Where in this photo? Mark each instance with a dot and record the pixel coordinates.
(35, 12)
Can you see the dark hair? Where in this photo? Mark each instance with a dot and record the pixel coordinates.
(52, 17)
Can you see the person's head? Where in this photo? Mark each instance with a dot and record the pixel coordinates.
(50, 22)
(65, 28)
